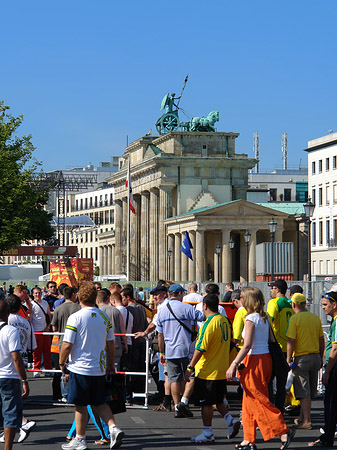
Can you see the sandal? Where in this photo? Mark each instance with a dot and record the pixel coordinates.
(161, 408)
(102, 442)
(319, 443)
(290, 435)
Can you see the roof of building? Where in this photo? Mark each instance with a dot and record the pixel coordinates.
(291, 208)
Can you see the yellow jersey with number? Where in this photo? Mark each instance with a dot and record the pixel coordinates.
(214, 341)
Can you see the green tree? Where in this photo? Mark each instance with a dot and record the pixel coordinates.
(22, 200)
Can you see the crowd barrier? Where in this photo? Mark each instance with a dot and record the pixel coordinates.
(144, 395)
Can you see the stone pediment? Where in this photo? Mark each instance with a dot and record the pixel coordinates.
(238, 208)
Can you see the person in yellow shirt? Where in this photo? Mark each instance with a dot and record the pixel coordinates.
(210, 362)
(239, 318)
(305, 347)
(279, 310)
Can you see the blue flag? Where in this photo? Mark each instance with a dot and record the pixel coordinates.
(186, 246)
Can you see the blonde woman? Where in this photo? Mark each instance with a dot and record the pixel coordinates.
(254, 366)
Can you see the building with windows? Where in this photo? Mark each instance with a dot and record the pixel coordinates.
(322, 167)
(278, 185)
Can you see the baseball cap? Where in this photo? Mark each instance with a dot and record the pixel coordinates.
(176, 288)
(280, 284)
(158, 289)
(299, 299)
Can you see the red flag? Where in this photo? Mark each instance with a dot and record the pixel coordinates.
(128, 183)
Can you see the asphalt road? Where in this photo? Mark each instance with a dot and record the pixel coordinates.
(144, 429)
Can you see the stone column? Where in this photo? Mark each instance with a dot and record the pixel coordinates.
(191, 264)
(105, 260)
(163, 210)
(124, 233)
(145, 235)
(252, 256)
(113, 259)
(154, 219)
(109, 260)
(243, 259)
(118, 236)
(134, 250)
(100, 258)
(200, 256)
(177, 257)
(184, 267)
(278, 234)
(226, 257)
(170, 265)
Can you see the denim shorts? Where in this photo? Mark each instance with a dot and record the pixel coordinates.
(11, 402)
(84, 390)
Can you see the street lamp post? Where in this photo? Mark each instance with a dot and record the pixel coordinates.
(247, 237)
(169, 254)
(309, 211)
(218, 251)
(231, 246)
(272, 228)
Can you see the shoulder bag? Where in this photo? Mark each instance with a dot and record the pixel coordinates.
(193, 334)
(44, 312)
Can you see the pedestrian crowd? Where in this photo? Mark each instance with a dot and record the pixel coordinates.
(195, 351)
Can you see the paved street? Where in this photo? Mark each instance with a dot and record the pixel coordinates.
(144, 429)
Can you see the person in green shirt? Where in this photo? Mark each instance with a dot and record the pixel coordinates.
(329, 379)
(279, 310)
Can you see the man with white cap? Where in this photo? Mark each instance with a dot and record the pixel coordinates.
(305, 348)
(174, 326)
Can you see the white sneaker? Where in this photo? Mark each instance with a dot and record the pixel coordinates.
(2, 437)
(233, 429)
(203, 439)
(75, 444)
(22, 435)
(37, 374)
(116, 437)
(28, 425)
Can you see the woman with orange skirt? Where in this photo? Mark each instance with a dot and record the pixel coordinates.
(254, 366)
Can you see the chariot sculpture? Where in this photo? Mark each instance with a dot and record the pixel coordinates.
(169, 121)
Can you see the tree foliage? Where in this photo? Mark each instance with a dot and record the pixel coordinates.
(22, 214)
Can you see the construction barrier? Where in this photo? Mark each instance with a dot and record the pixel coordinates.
(144, 395)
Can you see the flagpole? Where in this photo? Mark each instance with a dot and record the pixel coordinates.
(128, 228)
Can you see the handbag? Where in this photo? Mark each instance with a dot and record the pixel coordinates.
(115, 392)
(280, 365)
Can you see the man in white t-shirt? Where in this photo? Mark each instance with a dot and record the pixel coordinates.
(88, 342)
(12, 372)
(192, 295)
(40, 317)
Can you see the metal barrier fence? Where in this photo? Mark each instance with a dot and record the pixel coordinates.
(144, 395)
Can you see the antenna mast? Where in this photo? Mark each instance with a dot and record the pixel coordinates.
(285, 150)
(256, 150)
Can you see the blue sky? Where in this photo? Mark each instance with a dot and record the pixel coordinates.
(87, 74)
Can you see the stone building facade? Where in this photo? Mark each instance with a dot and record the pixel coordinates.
(192, 182)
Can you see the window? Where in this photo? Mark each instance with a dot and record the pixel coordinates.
(95, 202)
(81, 203)
(335, 228)
(327, 230)
(320, 232)
(335, 193)
(273, 195)
(86, 203)
(327, 164)
(313, 196)
(287, 195)
(327, 194)
(76, 205)
(90, 202)
(334, 162)
(320, 196)
(320, 165)
(313, 167)
(313, 233)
